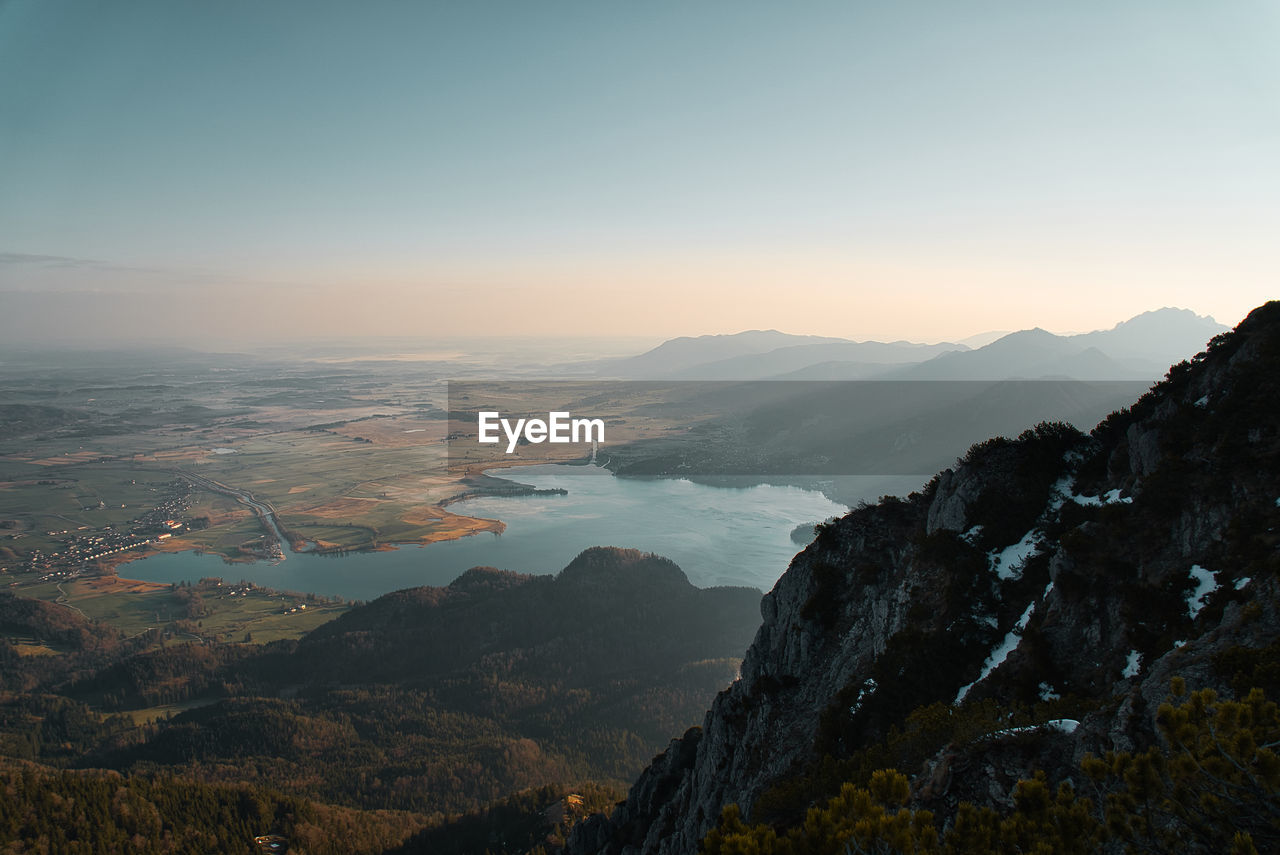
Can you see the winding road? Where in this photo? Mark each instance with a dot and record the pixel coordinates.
(265, 513)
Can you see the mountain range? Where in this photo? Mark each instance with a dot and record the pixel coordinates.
(1139, 348)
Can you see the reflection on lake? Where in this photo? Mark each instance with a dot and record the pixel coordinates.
(718, 535)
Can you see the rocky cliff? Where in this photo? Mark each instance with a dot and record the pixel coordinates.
(1065, 575)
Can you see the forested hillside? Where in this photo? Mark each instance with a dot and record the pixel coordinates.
(427, 702)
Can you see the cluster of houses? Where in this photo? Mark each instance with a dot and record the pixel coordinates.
(85, 544)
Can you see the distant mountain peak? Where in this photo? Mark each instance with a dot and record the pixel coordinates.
(1167, 318)
(1142, 347)
(1167, 312)
(1033, 333)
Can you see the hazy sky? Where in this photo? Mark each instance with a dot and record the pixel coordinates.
(252, 170)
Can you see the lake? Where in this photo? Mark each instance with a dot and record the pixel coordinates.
(718, 536)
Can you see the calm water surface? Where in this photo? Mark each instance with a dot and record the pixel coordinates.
(718, 535)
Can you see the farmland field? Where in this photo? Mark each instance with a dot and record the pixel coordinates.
(110, 458)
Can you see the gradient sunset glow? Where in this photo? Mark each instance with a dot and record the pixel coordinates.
(922, 170)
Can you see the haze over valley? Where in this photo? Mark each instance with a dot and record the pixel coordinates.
(661, 428)
(300, 476)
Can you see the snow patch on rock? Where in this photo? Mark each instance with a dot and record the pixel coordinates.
(868, 689)
(1008, 562)
(997, 656)
(1111, 497)
(1058, 725)
(1205, 586)
(1064, 491)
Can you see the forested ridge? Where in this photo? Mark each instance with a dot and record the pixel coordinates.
(419, 707)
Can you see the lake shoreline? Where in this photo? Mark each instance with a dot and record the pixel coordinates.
(736, 537)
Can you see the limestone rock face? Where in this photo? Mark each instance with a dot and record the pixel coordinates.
(947, 510)
(1094, 566)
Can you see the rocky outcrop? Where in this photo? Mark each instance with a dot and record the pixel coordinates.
(1057, 564)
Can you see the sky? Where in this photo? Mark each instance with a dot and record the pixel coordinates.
(263, 172)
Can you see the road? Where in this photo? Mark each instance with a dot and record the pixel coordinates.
(265, 513)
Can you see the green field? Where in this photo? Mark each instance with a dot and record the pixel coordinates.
(165, 711)
(39, 499)
(259, 615)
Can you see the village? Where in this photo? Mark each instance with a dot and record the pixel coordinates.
(85, 544)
